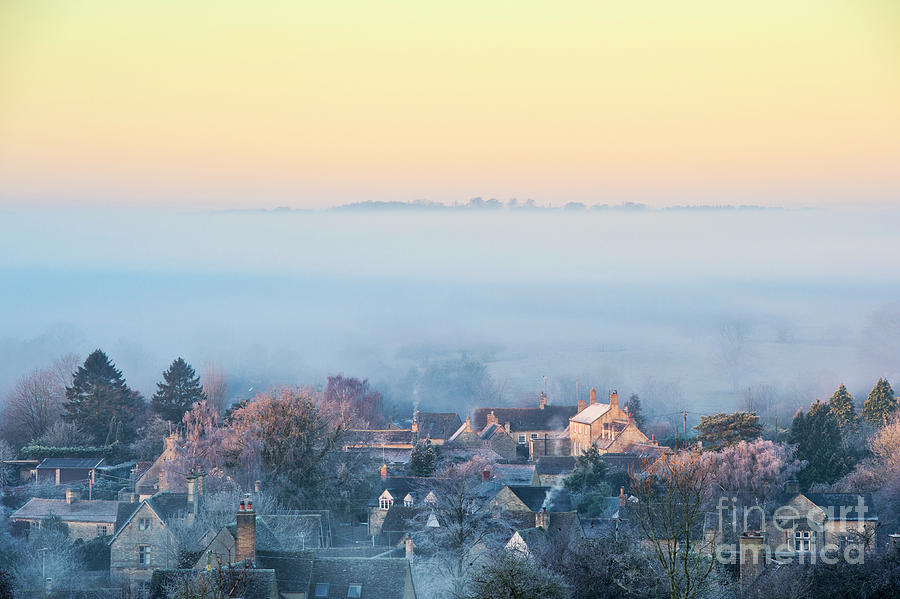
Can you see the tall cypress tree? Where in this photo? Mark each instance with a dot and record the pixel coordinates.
(841, 406)
(818, 440)
(100, 402)
(880, 405)
(178, 391)
(634, 407)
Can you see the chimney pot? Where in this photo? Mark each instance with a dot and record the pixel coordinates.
(245, 543)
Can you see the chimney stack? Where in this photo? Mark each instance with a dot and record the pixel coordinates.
(257, 485)
(384, 471)
(415, 423)
(245, 544)
(485, 475)
(72, 495)
(468, 422)
(542, 401)
(192, 492)
(621, 496)
(614, 398)
(752, 556)
(491, 418)
(408, 545)
(593, 396)
(581, 405)
(540, 519)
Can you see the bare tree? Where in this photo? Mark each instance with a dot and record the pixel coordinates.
(457, 529)
(670, 512)
(215, 386)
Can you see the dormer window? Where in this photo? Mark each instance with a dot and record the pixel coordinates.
(408, 500)
(430, 498)
(354, 591)
(386, 504)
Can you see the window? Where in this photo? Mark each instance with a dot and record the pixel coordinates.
(408, 500)
(802, 540)
(101, 530)
(533, 436)
(144, 524)
(143, 555)
(355, 591)
(321, 590)
(385, 503)
(521, 437)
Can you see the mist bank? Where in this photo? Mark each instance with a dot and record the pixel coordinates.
(688, 309)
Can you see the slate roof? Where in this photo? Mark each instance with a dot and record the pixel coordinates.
(555, 465)
(400, 518)
(126, 509)
(437, 425)
(168, 506)
(833, 502)
(534, 497)
(526, 419)
(381, 578)
(75, 463)
(96, 510)
(379, 437)
(512, 474)
(400, 486)
(292, 570)
(279, 532)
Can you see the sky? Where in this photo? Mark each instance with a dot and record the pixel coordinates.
(226, 103)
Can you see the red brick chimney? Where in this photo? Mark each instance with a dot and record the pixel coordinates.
(384, 471)
(245, 543)
(485, 475)
(593, 396)
(581, 405)
(541, 518)
(614, 398)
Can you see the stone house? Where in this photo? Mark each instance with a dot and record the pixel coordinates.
(493, 437)
(395, 444)
(552, 470)
(551, 532)
(607, 426)
(147, 539)
(406, 491)
(527, 498)
(165, 474)
(86, 519)
(525, 424)
(63, 471)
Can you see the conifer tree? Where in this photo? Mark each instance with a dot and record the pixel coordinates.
(423, 460)
(98, 397)
(819, 443)
(634, 408)
(178, 391)
(843, 410)
(880, 405)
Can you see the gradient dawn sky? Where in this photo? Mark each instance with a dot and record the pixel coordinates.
(311, 103)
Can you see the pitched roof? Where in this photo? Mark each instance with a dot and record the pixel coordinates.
(168, 506)
(437, 425)
(96, 510)
(379, 437)
(125, 511)
(400, 518)
(555, 465)
(535, 497)
(292, 570)
(286, 532)
(513, 474)
(380, 578)
(79, 463)
(591, 413)
(848, 502)
(400, 486)
(526, 419)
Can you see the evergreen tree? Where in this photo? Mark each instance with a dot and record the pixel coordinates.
(589, 473)
(819, 443)
(841, 407)
(100, 403)
(723, 430)
(179, 390)
(634, 408)
(423, 460)
(880, 405)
